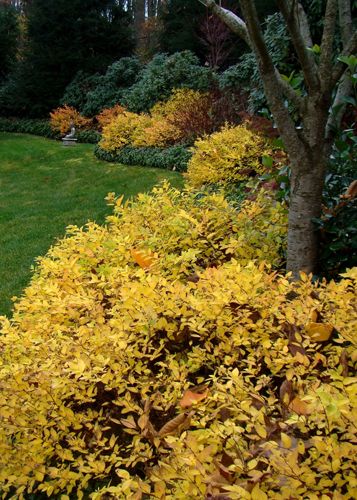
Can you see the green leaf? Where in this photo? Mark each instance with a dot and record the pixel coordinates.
(268, 161)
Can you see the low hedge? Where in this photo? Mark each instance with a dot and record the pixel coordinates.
(173, 158)
(28, 126)
(43, 128)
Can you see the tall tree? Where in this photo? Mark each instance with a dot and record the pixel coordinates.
(63, 37)
(308, 145)
(181, 20)
(9, 31)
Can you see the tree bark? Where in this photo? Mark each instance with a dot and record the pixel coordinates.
(305, 205)
(309, 148)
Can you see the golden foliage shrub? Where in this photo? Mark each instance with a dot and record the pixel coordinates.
(188, 111)
(178, 119)
(145, 360)
(62, 119)
(125, 129)
(159, 133)
(233, 154)
(108, 115)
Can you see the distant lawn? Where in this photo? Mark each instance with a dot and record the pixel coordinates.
(44, 187)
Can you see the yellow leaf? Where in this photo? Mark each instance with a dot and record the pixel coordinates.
(285, 440)
(261, 430)
(258, 494)
(319, 332)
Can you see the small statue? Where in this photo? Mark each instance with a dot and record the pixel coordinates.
(69, 139)
(72, 132)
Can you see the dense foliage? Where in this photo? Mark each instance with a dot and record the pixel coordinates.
(119, 76)
(163, 74)
(9, 33)
(63, 37)
(226, 157)
(177, 120)
(338, 224)
(181, 22)
(169, 158)
(150, 356)
(64, 118)
(245, 74)
(28, 126)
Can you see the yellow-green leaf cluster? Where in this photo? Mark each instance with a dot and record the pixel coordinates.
(144, 360)
(231, 155)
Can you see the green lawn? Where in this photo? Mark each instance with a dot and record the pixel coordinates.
(43, 188)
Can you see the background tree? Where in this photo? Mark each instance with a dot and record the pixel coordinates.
(217, 39)
(308, 145)
(63, 37)
(9, 31)
(181, 21)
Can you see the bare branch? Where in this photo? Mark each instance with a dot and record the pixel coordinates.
(304, 25)
(234, 22)
(345, 20)
(339, 105)
(297, 26)
(228, 17)
(325, 67)
(345, 85)
(340, 67)
(271, 81)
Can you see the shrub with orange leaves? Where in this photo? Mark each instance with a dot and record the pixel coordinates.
(108, 115)
(63, 118)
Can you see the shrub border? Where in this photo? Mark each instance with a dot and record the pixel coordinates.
(172, 158)
(42, 128)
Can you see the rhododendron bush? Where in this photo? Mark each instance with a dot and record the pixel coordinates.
(162, 356)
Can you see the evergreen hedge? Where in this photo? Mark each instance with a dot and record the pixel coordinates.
(43, 129)
(173, 158)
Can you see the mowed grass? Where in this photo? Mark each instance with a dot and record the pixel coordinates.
(45, 187)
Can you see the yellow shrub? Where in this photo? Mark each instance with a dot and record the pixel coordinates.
(159, 133)
(226, 157)
(188, 112)
(166, 124)
(108, 115)
(144, 360)
(179, 99)
(62, 119)
(125, 129)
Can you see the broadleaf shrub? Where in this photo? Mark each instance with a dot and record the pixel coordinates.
(169, 158)
(76, 92)
(187, 111)
(61, 120)
(125, 129)
(28, 126)
(106, 116)
(226, 157)
(145, 360)
(108, 92)
(245, 74)
(163, 74)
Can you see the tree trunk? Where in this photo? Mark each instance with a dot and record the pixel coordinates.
(305, 204)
